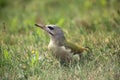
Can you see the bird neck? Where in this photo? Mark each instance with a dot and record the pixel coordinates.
(56, 42)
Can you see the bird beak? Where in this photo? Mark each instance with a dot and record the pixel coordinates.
(44, 28)
(41, 26)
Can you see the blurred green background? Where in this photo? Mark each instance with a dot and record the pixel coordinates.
(23, 47)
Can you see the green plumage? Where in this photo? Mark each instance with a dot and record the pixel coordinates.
(74, 48)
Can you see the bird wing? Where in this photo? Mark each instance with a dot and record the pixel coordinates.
(74, 48)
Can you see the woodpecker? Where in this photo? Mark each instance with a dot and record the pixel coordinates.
(61, 48)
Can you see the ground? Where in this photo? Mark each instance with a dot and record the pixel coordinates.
(23, 47)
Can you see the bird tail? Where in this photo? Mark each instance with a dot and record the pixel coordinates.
(88, 49)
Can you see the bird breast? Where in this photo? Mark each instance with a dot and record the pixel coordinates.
(60, 52)
(53, 46)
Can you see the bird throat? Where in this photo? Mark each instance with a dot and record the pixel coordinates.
(54, 43)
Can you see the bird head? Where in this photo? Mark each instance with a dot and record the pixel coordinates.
(55, 32)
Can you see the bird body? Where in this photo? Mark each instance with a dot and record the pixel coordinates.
(61, 48)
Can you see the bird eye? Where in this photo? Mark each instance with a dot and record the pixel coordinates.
(51, 28)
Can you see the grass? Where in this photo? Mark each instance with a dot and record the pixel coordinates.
(23, 47)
